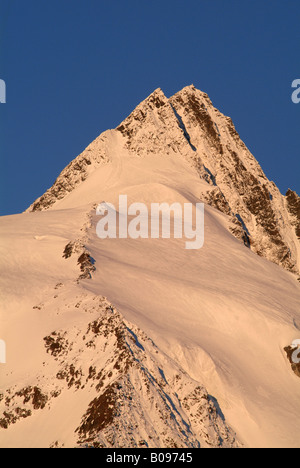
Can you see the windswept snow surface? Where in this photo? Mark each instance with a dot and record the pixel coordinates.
(222, 314)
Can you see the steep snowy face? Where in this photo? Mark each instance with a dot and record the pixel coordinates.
(189, 125)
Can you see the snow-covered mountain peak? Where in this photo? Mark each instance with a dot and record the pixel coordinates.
(189, 126)
(140, 342)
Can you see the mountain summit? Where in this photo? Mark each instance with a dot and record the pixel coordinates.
(135, 342)
(187, 124)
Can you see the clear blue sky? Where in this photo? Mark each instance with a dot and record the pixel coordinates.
(75, 68)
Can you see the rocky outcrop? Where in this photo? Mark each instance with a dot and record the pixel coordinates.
(21, 404)
(85, 261)
(293, 206)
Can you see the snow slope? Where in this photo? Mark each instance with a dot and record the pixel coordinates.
(77, 371)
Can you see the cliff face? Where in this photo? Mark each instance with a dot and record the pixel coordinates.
(189, 125)
(293, 206)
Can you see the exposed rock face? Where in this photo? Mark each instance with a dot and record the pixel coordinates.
(293, 205)
(189, 125)
(21, 404)
(85, 261)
